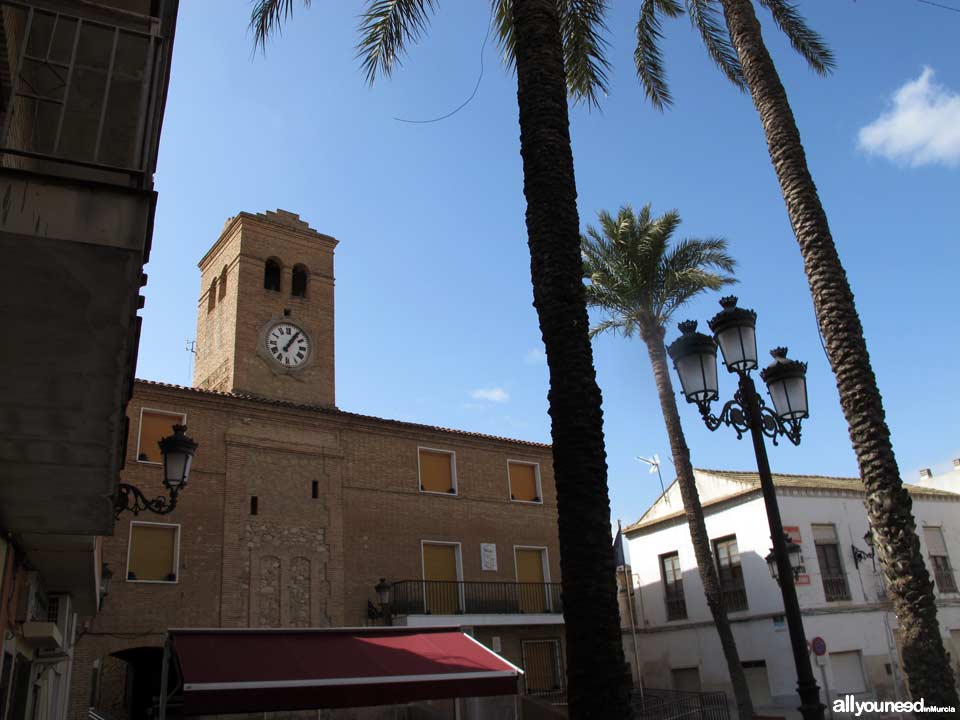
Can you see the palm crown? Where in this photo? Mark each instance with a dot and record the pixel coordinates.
(638, 278)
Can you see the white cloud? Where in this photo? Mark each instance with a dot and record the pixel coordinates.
(495, 394)
(535, 356)
(921, 128)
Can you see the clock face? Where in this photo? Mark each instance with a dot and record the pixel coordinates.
(288, 345)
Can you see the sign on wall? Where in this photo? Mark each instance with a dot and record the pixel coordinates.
(488, 556)
(794, 532)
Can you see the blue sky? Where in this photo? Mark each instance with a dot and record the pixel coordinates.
(435, 321)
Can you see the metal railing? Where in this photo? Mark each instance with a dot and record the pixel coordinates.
(82, 88)
(451, 597)
(656, 704)
(676, 602)
(734, 596)
(836, 588)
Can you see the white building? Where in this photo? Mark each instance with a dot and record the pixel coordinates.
(840, 590)
(944, 481)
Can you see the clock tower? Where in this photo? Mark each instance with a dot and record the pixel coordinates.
(265, 316)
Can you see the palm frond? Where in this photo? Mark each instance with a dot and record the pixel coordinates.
(584, 49)
(803, 38)
(386, 28)
(706, 18)
(503, 24)
(647, 56)
(267, 17)
(638, 277)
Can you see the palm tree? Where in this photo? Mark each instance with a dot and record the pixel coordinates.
(550, 43)
(640, 281)
(740, 52)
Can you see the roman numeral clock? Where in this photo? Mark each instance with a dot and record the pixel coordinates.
(286, 345)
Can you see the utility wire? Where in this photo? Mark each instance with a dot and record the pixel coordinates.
(476, 87)
(934, 4)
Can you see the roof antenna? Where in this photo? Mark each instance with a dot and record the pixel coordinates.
(654, 463)
(192, 349)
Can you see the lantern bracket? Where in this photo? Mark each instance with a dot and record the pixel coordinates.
(734, 414)
(130, 498)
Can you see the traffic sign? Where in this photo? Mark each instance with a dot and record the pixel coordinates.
(819, 646)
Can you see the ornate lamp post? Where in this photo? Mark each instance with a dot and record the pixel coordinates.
(793, 551)
(177, 451)
(695, 359)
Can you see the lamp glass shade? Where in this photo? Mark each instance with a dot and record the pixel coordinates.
(698, 376)
(772, 564)
(789, 396)
(794, 553)
(738, 343)
(177, 451)
(382, 589)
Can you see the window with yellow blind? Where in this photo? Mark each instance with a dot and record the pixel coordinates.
(155, 424)
(153, 553)
(541, 666)
(531, 578)
(524, 481)
(437, 471)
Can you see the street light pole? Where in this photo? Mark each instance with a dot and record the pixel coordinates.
(810, 706)
(695, 359)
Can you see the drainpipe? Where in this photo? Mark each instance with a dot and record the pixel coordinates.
(628, 586)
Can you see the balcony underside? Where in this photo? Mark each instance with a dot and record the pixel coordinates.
(73, 254)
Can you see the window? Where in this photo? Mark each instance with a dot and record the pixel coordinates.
(154, 425)
(758, 683)
(298, 285)
(937, 549)
(437, 471)
(152, 555)
(271, 275)
(673, 586)
(223, 284)
(524, 481)
(254, 505)
(315, 490)
(532, 579)
(731, 574)
(831, 567)
(541, 666)
(847, 673)
(685, 679)
(212, 296)
(442, 571)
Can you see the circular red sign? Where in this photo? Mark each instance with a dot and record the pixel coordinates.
(819, 645)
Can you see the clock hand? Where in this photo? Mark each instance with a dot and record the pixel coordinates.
(295, 336)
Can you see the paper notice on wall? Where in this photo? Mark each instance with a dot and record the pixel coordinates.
(488, 556)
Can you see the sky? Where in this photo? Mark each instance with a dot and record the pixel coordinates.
(434, 316)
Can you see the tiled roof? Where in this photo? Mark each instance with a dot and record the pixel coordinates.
(750, 482)
(336, 412)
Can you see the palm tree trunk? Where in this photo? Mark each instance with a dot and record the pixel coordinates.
(653, 337)
(889, 507)
(598, 681)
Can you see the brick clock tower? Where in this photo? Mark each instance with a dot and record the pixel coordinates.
(265, 317)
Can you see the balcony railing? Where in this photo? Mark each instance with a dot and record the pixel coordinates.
(836, 588)
(83, 89)
(449, 597)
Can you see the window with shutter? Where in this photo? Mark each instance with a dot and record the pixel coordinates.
(524, 481)
(152, 553)
(437, 472)
(937, 549)
(832, 574)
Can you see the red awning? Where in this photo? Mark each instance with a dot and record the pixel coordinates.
(252, 670)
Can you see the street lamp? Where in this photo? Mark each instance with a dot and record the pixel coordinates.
(793, 552)
(383, 590)
(106, 577)
(694, 356)
(859, 555)
(178, 451)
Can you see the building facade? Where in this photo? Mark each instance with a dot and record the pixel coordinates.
(840, 588)
(83, 86)
(296, 509)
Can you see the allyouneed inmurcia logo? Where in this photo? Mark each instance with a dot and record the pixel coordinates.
(849, 704)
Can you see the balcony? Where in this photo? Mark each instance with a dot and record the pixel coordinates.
(835, 588)
(86, 84)
(83, 85)
(676, 601)
(946, 583)
(443, 597)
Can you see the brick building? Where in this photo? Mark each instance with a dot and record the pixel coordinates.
(296, 509)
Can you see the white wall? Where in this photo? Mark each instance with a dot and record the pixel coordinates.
(862, 623)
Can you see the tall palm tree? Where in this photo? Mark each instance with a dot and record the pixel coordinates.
(739, 50)
(640, 281)
(540, 36)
